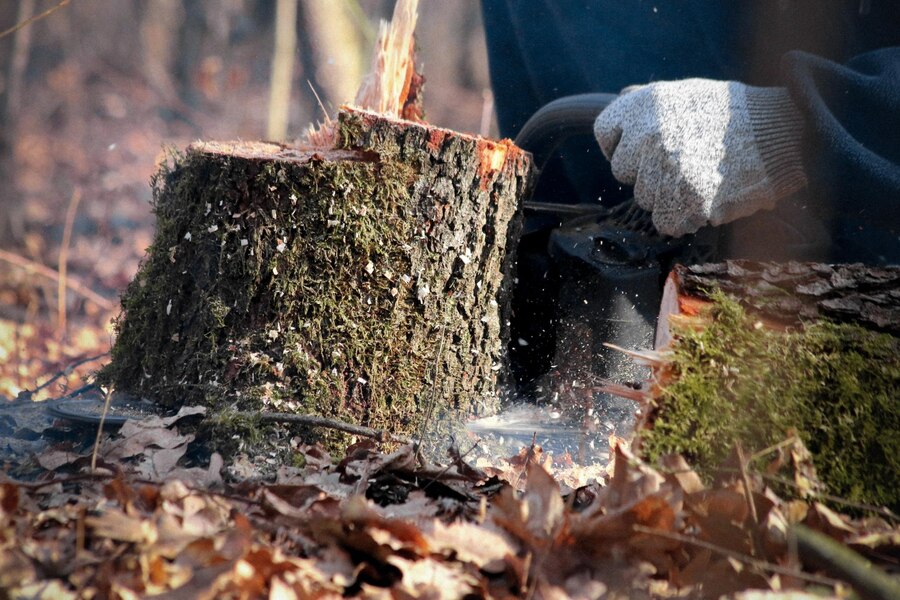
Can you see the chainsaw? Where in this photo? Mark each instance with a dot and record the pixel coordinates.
(611, 262)
(609, 265)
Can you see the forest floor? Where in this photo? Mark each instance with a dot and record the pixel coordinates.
(141, 509)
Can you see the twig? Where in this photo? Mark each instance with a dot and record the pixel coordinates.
(34, 486)
(748, 560)
(824, 553)
(64, 262)
(755, 542)
(319, 100)
(441, 473)
(66, 371)
(72, 283)
(315, 421)
(783, 444)
(31, 20)
(108, 397)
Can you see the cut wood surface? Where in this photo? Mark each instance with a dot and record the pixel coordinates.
(367, 282)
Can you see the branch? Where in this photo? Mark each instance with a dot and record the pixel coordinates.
(63, 373)
(314, 421)
(31, 20)
(71, 283)
(822, 552)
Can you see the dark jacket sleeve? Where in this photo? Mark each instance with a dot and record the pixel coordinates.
(852, 138)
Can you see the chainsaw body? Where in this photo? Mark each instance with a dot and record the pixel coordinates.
(605, 268)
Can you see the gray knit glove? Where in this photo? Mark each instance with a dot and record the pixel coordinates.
(700, 151)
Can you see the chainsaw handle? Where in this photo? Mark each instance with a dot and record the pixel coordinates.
(559, 120)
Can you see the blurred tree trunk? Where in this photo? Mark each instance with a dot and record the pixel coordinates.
(282, 69)
(334, 55)
(172, 37)
(159, 30)
(11, 208)
(190, 43)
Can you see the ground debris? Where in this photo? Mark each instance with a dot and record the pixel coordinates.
(376, 523)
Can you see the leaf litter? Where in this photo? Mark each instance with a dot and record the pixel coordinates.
(379, 523)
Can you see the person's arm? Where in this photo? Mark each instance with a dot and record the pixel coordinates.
(852, 130)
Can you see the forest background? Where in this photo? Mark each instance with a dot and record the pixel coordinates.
(93, 93)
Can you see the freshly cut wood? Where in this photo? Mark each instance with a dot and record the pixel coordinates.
(785, 294)
(365, 283)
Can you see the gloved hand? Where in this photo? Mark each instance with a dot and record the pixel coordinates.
(700, 151)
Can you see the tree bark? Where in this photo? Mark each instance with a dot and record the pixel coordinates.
(368, 282)
(785, 294)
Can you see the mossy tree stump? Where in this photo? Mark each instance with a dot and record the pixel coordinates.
(363, 282)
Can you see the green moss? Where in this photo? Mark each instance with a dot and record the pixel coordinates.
(837, 384)
(274, 285)
(365, 284)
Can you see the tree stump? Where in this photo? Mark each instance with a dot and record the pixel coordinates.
(368, 282)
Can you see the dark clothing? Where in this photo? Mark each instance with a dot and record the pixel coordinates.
(840, 59)
(853, 147)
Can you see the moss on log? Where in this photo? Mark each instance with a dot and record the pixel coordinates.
(755, 351)
(361, 283)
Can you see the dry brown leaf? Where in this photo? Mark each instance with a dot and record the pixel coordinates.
(279, 590)
(16, 568)
(726, 576)
(417, 508)
(539, 516)
(51, 589)
(115, 525)
(292, 506)
(630, 481)
(9, 499)
(677, 468)
(392, 533)
(480, 544)
(881, 540)
(198, 477)
(428, 578)
(781, 595)
(53, 459)
(135, 437)
(823, 519)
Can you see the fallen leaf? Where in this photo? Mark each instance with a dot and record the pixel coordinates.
(115, 525)
(428, 578)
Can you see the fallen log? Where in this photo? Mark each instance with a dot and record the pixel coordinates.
(750, 354)
(788, 293)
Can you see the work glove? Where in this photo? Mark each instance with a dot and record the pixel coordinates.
(702, 152)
